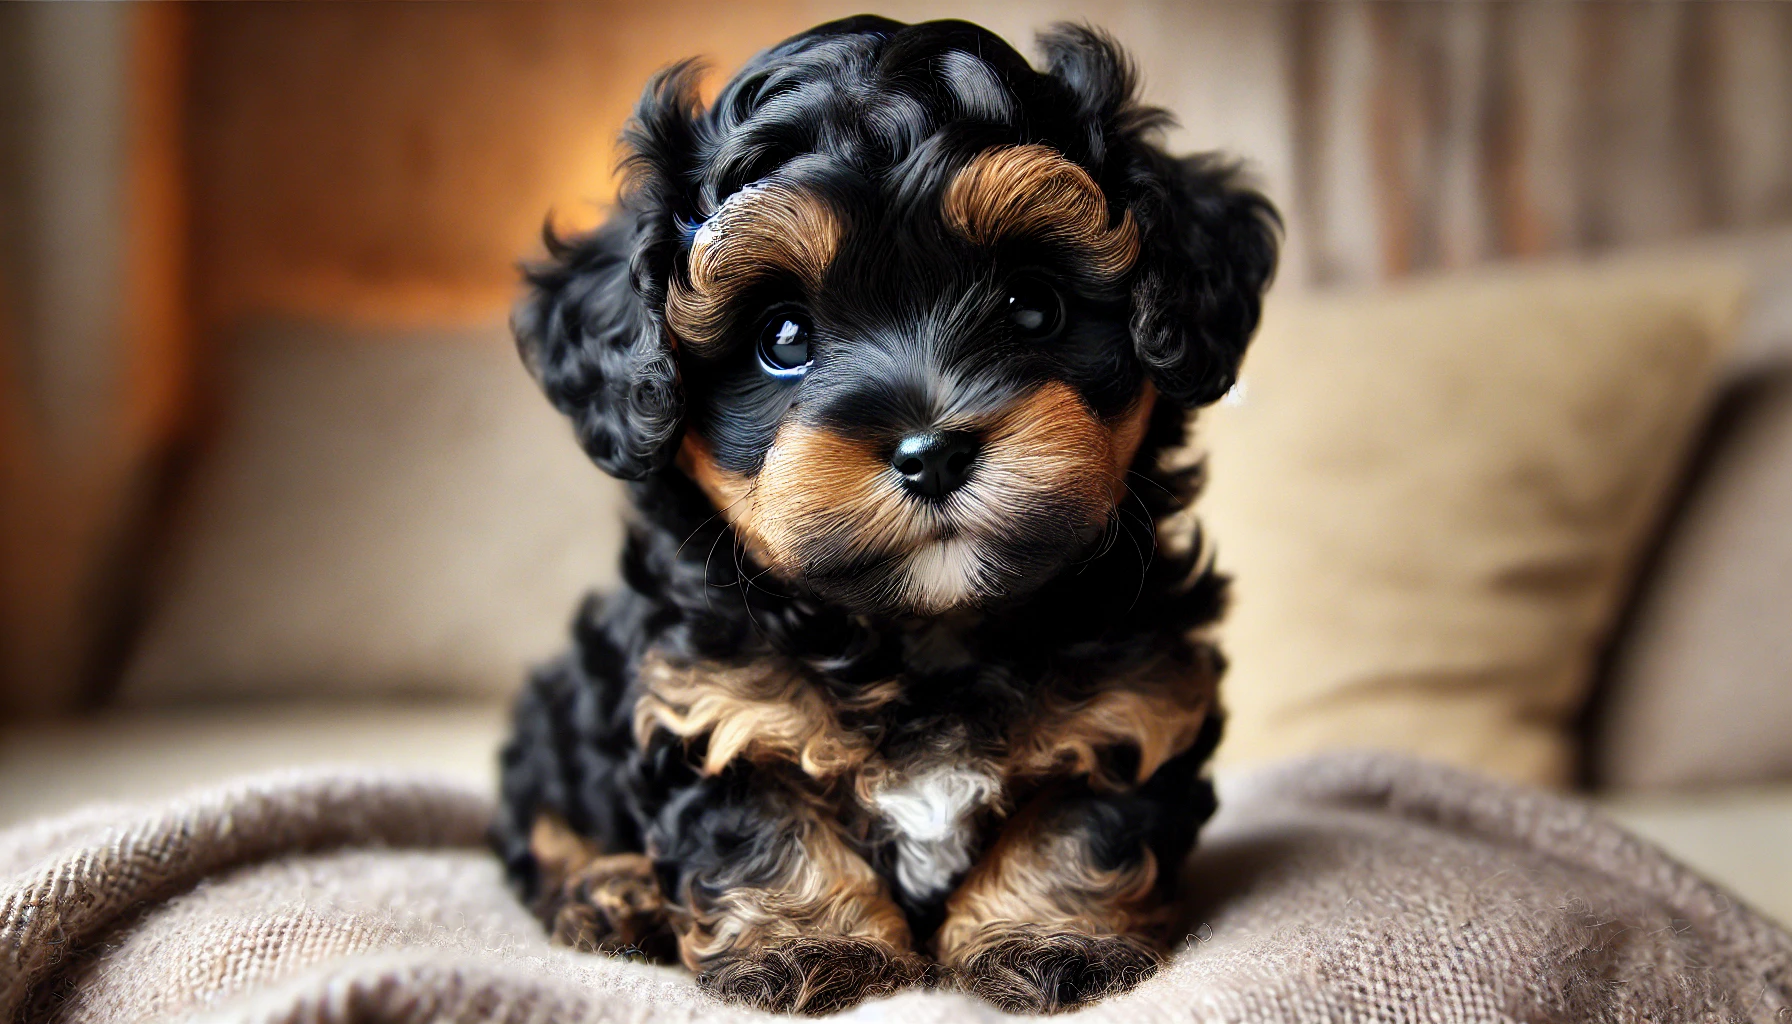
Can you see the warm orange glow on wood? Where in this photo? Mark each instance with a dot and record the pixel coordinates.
(392, 163)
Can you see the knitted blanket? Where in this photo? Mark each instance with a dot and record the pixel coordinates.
(1355, 887)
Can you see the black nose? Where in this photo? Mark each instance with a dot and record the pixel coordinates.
(935, 464)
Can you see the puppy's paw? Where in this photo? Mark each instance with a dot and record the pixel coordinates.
(610, 904)
(814, 975)
(1046, 972)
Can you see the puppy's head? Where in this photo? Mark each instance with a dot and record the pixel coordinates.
(901, 305)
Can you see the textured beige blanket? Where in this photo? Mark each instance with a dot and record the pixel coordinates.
(1358, 888)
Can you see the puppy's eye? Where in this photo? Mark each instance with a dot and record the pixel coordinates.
(1035, 309)
(784, 343)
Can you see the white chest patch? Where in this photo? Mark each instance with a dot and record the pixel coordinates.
(932, 814)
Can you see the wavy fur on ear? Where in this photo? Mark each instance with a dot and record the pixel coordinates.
(1210, 251)
(590, 329)
(1210, 242)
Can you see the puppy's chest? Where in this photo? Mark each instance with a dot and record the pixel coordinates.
(926, 765)
(933, 816)
(943, 776)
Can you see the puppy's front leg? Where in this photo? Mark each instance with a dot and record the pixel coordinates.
(1064, 909)
(775, 909)
(595, 902)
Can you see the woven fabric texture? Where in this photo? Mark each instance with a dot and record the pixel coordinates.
(1342, 887)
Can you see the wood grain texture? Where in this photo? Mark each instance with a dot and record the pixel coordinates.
(1431, 136)
(92, 328)
(394, 161)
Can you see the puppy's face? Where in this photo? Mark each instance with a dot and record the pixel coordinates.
(911, 407)
(901, 305)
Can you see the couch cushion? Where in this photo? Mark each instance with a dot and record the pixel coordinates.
(1701, 680)
(381, 513)
(129, 754)
(1701, 690)
(1431, 496)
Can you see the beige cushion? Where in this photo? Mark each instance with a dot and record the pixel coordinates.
(1431, 496)
(133, 754)
(381, 514)
(1701, 692)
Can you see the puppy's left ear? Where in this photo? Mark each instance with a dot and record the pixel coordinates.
(1209, 251)
(1208, 242)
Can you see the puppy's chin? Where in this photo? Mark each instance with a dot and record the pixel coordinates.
(943, 575)
(955, 572)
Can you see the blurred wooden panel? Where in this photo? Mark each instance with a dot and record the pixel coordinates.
(1640, 129)
(157, 292)
(394, 161)
(1441, 135)
(1536, 141)
(1748, 51)
(93, 342)
(1335, 130)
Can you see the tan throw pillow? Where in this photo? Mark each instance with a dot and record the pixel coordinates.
(1431, 495)
(380, 514)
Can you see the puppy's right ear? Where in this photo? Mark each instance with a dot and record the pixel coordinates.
(591, 329)
(599, 353)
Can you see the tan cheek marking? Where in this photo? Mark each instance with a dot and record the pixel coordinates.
(1034, 192)
(731, 493)
(1129, 433)
(1052, 436)
(1050, 442)
(816, 481)
(771, 227)
(813, 481)
(724, 489)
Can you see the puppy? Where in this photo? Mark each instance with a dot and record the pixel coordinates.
(901, 684)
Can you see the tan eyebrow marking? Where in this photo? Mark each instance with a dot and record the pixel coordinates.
(1034, 192)
(766, 227)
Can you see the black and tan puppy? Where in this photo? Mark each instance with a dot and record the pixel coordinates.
(900, 683)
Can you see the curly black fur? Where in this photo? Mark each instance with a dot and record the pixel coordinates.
(902, 107)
